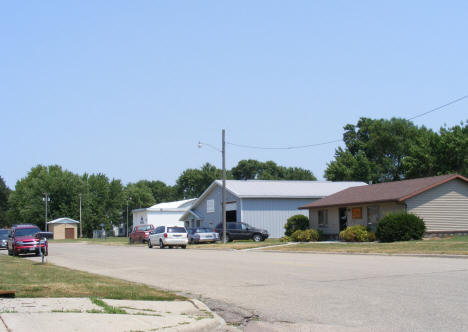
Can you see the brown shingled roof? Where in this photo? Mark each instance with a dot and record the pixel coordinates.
(397, 191)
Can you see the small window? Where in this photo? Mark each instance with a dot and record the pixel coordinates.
(323, 218)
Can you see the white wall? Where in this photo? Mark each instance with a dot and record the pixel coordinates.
(158, 218)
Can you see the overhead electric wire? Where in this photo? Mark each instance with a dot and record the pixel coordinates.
(439, 107)
(338, 140)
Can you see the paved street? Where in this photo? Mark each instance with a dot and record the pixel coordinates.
(309, 291)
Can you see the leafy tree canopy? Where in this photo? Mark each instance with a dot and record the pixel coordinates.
(4, 194)
(389, 150)
(254, 169)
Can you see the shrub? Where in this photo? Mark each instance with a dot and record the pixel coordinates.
(357, 233)
(285, 239)
(296, 222)
(305, 236)
(370, 236)
(401, 226)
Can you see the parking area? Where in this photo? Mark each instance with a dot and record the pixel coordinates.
(295, 290)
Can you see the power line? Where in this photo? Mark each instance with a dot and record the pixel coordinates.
(338, 140)
(439, 107)
(282, 147)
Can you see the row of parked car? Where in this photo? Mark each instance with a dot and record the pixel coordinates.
(179, 236)
(24, 239)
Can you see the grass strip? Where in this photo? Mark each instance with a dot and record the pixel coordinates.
(457, 245)
(108, 309)
(31, 279)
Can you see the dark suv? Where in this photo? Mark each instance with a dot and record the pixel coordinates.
(241, 231)
(23, 239)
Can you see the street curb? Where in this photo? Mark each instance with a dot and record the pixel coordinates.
(215, 323)
(367, 254)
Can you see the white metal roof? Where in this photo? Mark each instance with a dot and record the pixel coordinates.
(285, 188)
(277, 189)
(63, 221)
(174, 205)
(177, 206)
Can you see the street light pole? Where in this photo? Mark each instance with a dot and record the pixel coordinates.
(223, 152)
(46, 199)
(224, 184)
(126, 230)
(81, 229)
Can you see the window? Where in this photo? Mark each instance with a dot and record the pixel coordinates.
(210, 206)
(323, 218)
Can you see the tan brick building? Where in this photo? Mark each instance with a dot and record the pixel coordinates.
(64, 228)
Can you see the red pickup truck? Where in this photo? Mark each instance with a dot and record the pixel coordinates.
(140, 233)
(22, 239)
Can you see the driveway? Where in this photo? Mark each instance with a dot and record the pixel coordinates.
(299, 291)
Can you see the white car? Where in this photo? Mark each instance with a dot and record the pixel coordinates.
(171, 236)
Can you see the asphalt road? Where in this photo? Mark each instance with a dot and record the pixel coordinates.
(296, 291)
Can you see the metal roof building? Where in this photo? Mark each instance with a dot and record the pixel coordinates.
(264, 204)
(162, 214)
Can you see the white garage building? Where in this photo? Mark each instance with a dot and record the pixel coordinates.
(162, 214)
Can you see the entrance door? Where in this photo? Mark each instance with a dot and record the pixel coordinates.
(343, 219)
(69, 233)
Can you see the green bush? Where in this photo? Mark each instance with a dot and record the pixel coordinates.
(305, 236)
(401, 226)
(285, 239)
(296, 222)
(370, 236)
(357, 233)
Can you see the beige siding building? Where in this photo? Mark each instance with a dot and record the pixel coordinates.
(441, 201)
(64, 228)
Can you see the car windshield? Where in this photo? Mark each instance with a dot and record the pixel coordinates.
(204, 230)
(26, 231)
(3, 234)
(176, 230)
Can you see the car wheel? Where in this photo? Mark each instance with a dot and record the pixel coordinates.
(184, 247)
(161, 244)
(228, 238)
(257, 238)
(149, 244)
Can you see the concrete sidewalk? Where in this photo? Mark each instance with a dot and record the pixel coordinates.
(81, 314)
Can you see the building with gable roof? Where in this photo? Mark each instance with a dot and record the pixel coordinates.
(441, 201)
(265, 204)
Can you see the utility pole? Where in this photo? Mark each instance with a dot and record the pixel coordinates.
(46, 199)
(81, 229)
(224, 185)
(126, 229)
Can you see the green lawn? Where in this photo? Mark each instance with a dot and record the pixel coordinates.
(241, 244)
(113, 241)
(457, 245)
(32, 279)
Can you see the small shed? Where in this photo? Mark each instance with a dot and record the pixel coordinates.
(64, 228)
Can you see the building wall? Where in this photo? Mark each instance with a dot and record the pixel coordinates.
(158, 218)
(443, 208)
(59, 230)
(333, 226)
(211, 219)
(271, 214)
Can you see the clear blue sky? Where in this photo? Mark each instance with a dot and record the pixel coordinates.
(128, 88)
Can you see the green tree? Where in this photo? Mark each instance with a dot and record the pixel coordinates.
(388, 150)
(193, 182)
(254, 169)
(26, 204)
(4, 194)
